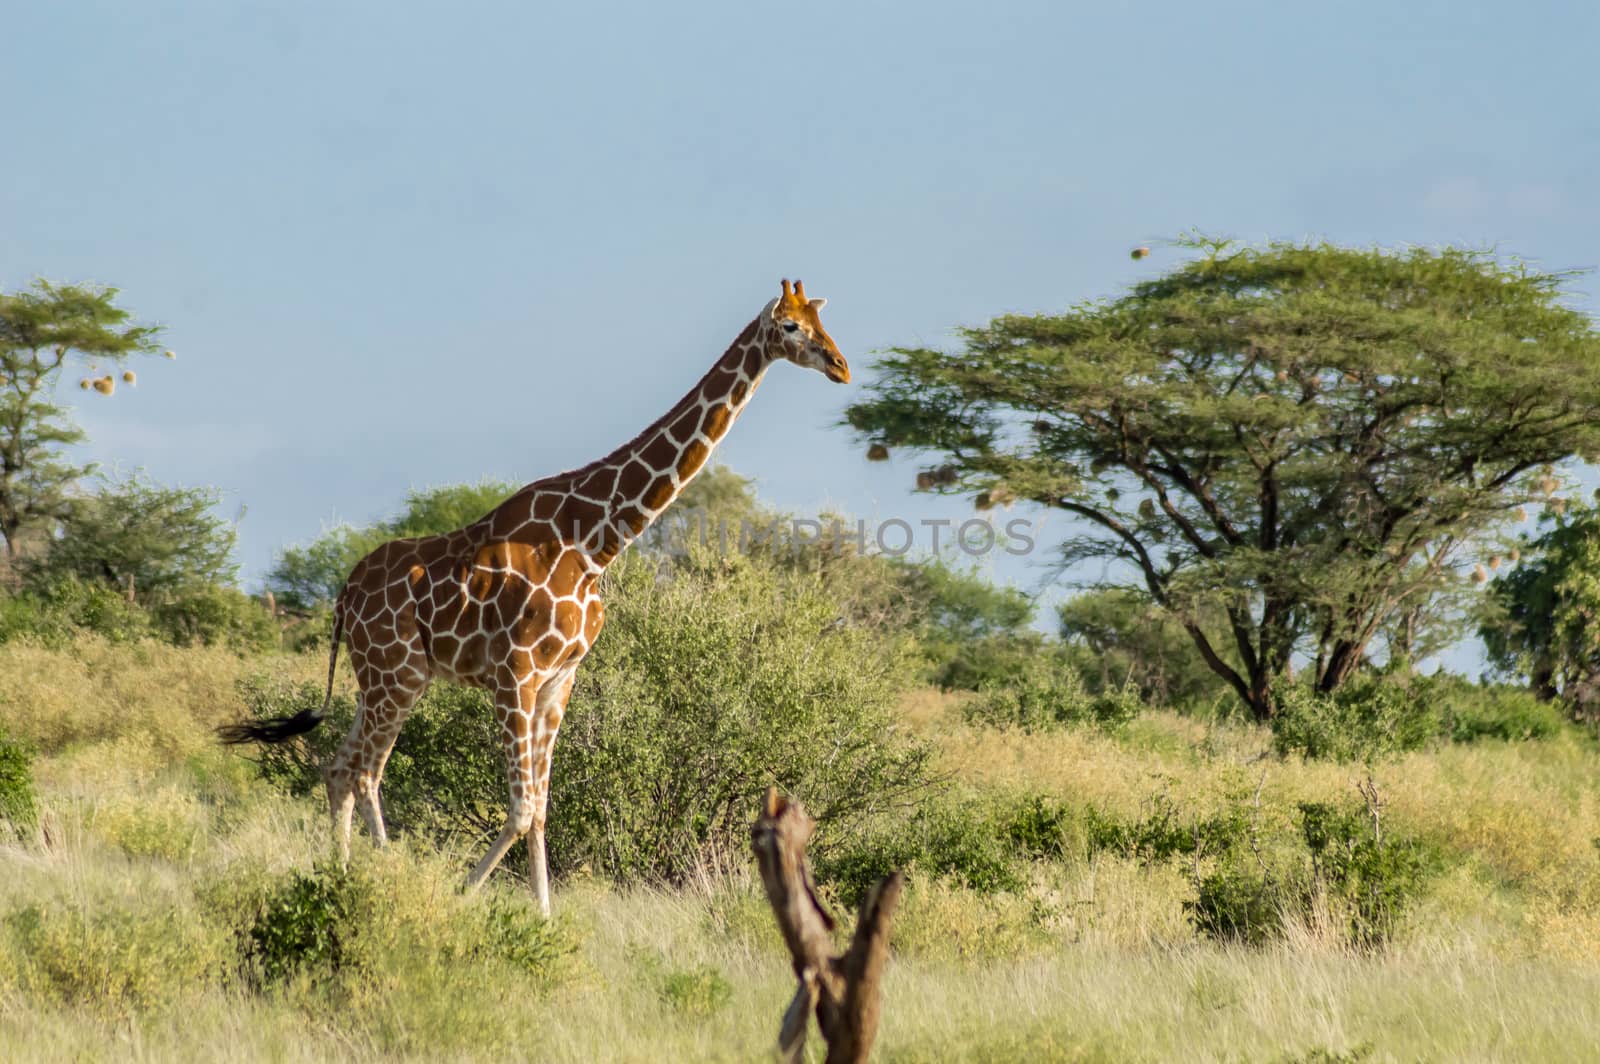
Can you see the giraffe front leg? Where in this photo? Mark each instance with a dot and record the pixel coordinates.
(549, 708)
(514, 708)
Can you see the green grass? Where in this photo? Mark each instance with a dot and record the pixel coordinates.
(125, 915)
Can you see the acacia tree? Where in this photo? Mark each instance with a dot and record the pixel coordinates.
(1545, 624)
(1307, 439)
(143, 537)
(41, 328)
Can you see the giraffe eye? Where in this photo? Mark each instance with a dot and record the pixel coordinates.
(790, 326)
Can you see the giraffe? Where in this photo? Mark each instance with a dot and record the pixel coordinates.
(511, 603)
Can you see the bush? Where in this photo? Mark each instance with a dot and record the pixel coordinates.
(954, 837)
(305, 924)
(213, 615)
(1369, 717)
(1236, 903)
(19, 805)
(1378, 877)
(1160, 834)
(1481, 711)
(348, 923)
(1047, 693)
(712, 680)
(113, 959)
(52, 612)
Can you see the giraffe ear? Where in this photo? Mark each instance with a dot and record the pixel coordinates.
(818, 304)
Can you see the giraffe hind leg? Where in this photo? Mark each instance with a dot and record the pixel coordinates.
(356, 772)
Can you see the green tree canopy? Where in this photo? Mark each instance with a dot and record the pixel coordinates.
(136, 534)
(1546, 626)
(1306, 438)
(40, 329)
(313, 575)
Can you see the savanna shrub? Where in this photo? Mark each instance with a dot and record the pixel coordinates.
(1045, 693)
(51, 612)
(1472, 711)
(1161, 834)
(1369, 717)
(213, 615)
(19, 805)
(713, 679)
(954, 837)
(306, 923)
(1236, 903)
(1378, 877)
(387, 923)
(114, 960)
(1042, 828)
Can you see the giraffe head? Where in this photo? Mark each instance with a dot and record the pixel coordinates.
(798, 335)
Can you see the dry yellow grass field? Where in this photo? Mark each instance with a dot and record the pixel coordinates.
(119, 925)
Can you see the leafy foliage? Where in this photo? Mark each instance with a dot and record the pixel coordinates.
(1125, 637)
(1301, 439)
(19, 804)
(40, 329)
(1046, 692)
(304, 924)
(1378, 876)
(1371, 717)
(132, 532)
(1236, 902)
(957, 838)
(1547, 628)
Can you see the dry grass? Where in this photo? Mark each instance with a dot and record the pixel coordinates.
(157, 837)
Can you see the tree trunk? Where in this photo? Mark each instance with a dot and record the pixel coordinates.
(841, 990)
(1342, 663)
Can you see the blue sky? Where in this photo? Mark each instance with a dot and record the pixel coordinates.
(399, 245)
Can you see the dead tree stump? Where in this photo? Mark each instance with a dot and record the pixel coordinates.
(841, 990)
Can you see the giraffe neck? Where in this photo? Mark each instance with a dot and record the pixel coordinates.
(612, 501)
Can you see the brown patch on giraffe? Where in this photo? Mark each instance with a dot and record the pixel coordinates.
(659, 493)
(683, 429)
(397, 596)
(479, 583)
(536, 615)
(599, 484)
(694, 456)
(718, 418)
(719, 382)
(546, 504)
(754, 359)
(740, 390)
(631, 518)
(635, 477)
(661, 453)
(549, 651)
(568, 618)
(593, 620)
(577, 518)
(568, 574)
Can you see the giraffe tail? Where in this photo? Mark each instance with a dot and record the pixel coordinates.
(279, 729)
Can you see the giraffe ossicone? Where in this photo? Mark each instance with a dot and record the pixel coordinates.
(511, 602)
